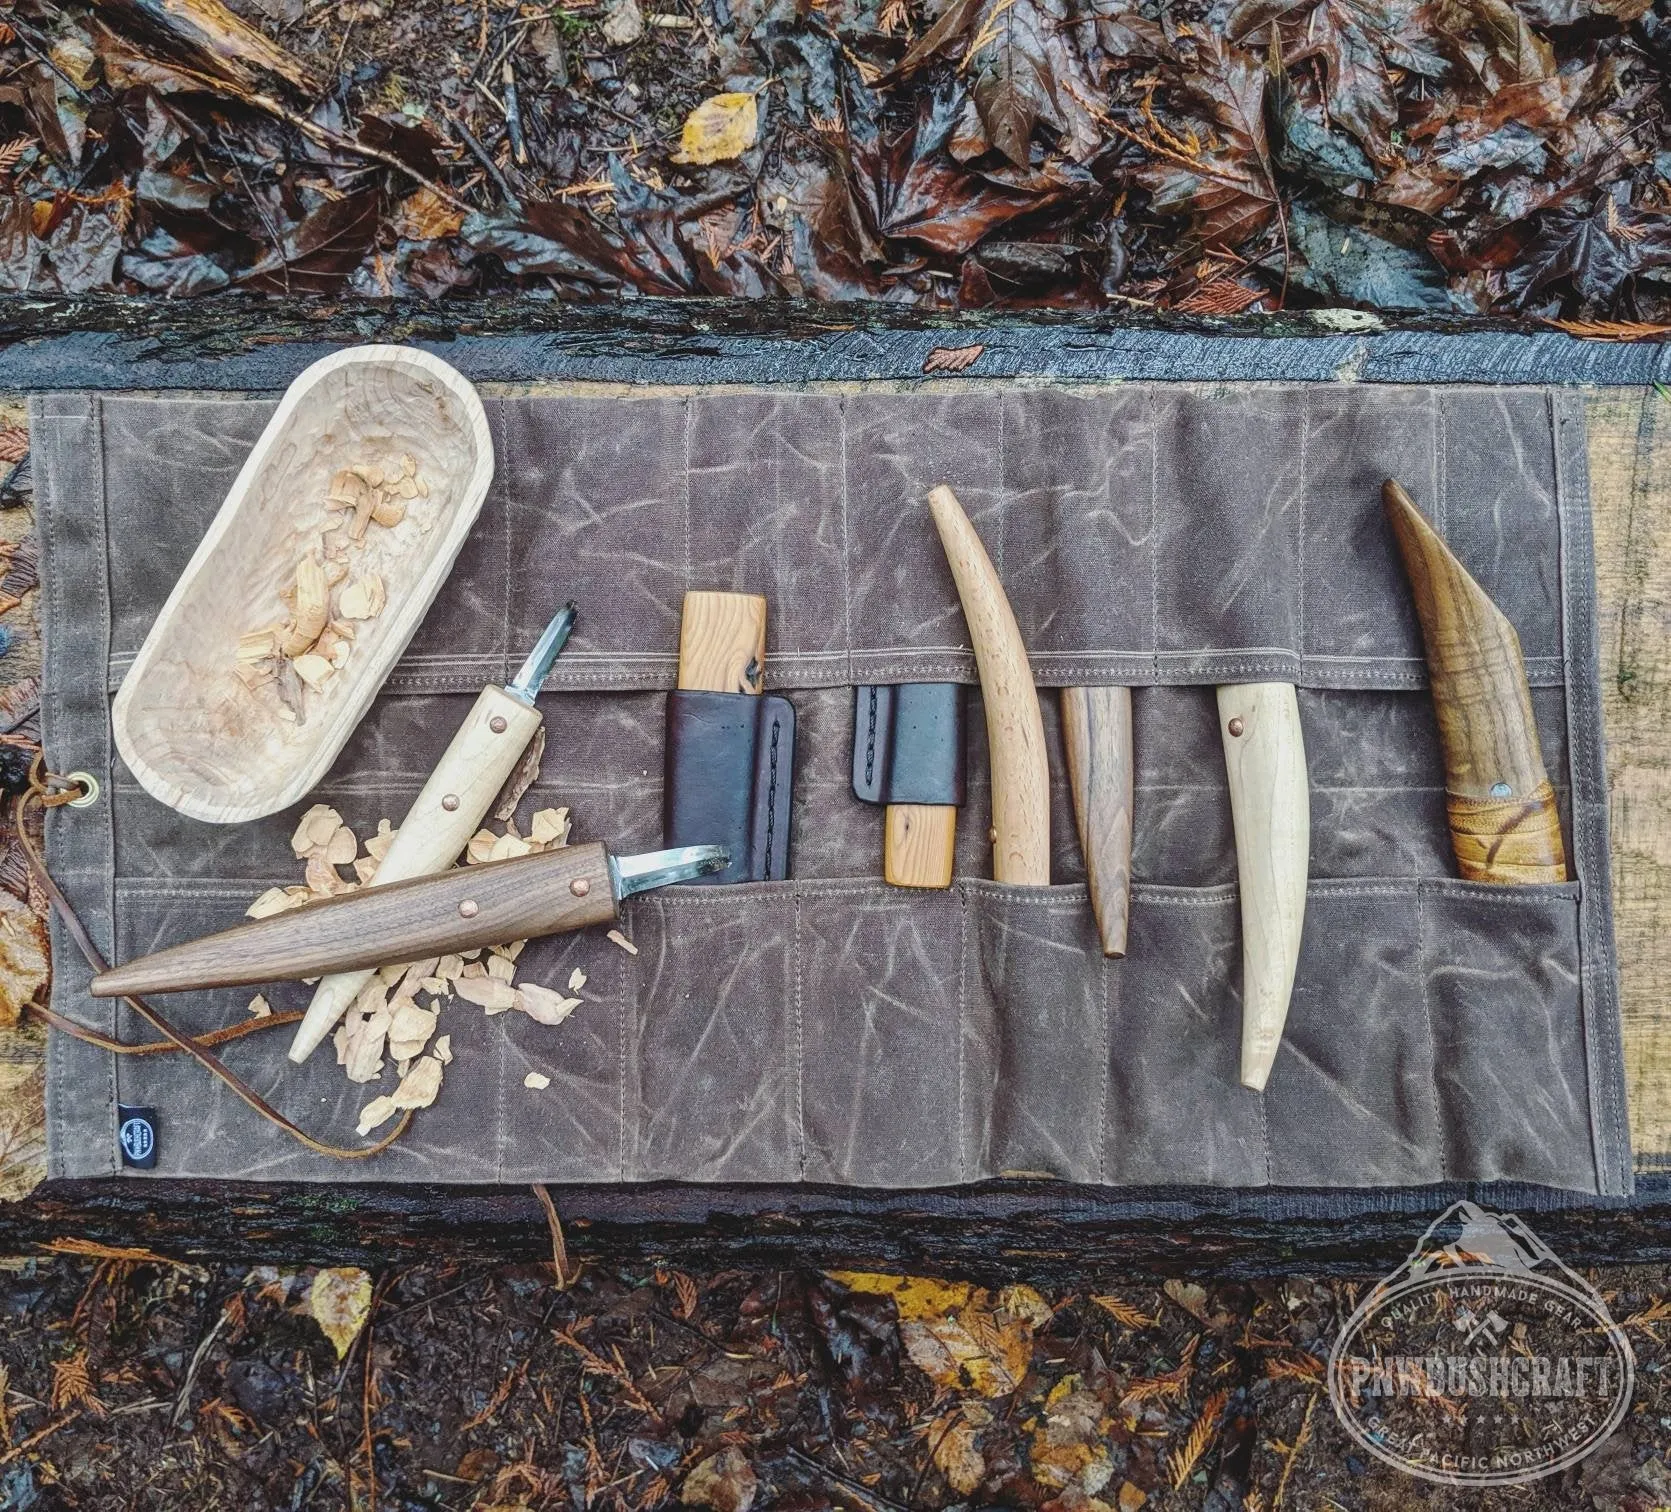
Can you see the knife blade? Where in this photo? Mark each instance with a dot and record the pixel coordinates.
(549, 893)
(450, 808)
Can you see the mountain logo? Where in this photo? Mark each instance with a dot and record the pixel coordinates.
(1482, 1360)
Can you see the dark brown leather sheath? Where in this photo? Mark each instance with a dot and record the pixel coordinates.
(730, 759)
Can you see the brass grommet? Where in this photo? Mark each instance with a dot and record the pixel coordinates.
(450, 802)
(580, 887)
(1235, 727)
(89, 785)
(468, 909)
(497, 724)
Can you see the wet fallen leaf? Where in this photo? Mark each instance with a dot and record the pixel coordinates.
(1070, 1445)
(339, 1302)
(725, 1482)
(956, 1440)
(722, 127)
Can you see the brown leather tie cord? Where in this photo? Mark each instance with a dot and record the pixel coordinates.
(49, 790)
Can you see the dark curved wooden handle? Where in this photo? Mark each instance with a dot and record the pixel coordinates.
(471, 906)
(1504, 823)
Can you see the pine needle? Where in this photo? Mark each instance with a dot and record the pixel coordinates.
(1123, 1312)
(1181, 1462)
(1301, 1439)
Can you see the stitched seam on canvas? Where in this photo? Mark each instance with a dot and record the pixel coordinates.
(1305, 442)
(799, 1052)
(846, 543)
(1107, 1073)
(104, 814)
(1154, 538)
(690, 562)
(1432, 1039)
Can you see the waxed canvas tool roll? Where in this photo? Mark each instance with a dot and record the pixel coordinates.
(829, 1028)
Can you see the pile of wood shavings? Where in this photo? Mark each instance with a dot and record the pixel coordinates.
(397, 1013)
(328, 600)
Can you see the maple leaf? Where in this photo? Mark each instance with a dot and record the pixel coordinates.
(1225, 186)
(1599, 251)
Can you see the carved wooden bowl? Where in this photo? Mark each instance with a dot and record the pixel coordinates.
(195, 720)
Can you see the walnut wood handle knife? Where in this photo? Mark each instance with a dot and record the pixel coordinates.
(1504, 822)
(1014, 725)
(1096, 733)
(472, 906)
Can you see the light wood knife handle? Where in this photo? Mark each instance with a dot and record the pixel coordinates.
(722, 642)
(919, 842)
(1014, 725)
(558, 890)
(1096, 733)
(443, 817)
(1270, 807)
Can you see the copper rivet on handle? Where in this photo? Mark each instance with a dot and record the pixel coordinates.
(1235, 727)
(497, 724)
(450, 802)
(468, 909)
(580, 887)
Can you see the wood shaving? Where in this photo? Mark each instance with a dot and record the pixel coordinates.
(309, 647)
(378, 1111)
(419, 1086)
(536, 1082)
(577, 979)
(543, 1005)
(550, 827)
(377, 846)
(410, 1028)
(525, 774)
(501, 968)
(616, 937)
(449, 966)
(259, 1007)
(491, 993)
(277, 900)
(508, 847)
(444, 1049)
(315, 830)
(322, 878)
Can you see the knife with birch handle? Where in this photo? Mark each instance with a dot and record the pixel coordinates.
(449, 809)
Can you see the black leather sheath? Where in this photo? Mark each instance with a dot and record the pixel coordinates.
(730, 759)
(908, 743)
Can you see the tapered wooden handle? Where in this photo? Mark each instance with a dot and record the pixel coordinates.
(919, 841)
(436, 828)
(722, 642)
(1014, 725)
(1504, 822)
(1270, 808)
(558, 890)
(1096, 733)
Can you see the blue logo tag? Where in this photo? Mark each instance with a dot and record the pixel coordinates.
(137, 1135)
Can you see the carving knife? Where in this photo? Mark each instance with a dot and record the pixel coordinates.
(730, 745)
(450, 809)
(1096, 735)
(1014, 726)
(555, 891)
(1270, 811)
(1504, 822)
(908, 756)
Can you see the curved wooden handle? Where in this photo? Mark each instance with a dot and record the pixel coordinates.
(1270, 807)
(1505, 826)
(919, 844)
(1096, 733)
(436, 828)
(458, 910)
(1014, 725)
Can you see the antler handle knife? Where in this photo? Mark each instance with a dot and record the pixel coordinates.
(1014, 725)
(1504, 822)
(447, 812)
(550, 893)
(1270, 810)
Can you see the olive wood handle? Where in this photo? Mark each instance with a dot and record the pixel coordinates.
(1096, 733)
